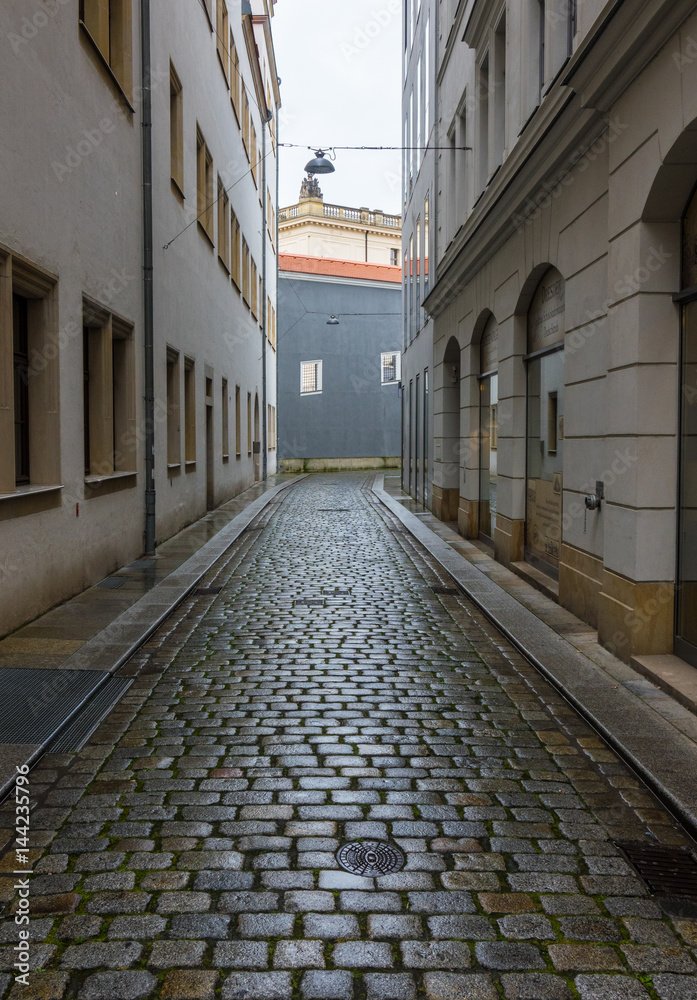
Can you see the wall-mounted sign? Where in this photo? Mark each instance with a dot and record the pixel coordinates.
(546, 316)
(489, 348)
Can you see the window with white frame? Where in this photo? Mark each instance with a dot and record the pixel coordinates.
(310, 377)
(391, 367)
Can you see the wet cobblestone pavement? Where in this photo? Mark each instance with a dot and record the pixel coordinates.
(329, 694)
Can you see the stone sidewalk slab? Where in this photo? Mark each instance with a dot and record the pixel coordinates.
(663, 755)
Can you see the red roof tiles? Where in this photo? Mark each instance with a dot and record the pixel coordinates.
(339, 268)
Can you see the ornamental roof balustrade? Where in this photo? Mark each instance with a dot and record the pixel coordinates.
(318, 208)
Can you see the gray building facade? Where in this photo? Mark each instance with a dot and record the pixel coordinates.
(338, 382)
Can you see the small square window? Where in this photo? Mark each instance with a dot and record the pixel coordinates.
(310, 377)
(391, 368)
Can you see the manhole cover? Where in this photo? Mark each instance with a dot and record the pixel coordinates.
(667, 871)
(370, 858)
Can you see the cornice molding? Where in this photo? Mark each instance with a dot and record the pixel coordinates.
(574, 113)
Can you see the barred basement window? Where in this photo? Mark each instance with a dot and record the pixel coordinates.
(391, 367)
(310, 377)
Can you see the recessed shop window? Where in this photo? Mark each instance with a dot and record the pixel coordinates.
(552, 411)
(545, 414)
(488, 428)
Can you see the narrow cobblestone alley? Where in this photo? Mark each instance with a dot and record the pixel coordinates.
(332, 691)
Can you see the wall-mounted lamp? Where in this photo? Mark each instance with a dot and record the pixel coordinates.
(332, 321)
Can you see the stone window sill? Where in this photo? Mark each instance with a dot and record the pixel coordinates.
(96, 480)
(29, 491)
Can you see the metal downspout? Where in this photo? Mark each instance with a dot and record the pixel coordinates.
(148, 299)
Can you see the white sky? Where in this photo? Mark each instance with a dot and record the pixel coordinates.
(340, 67)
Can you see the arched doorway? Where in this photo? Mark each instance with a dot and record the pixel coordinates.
(256, 445)
(686, 597)
(488, 428)
(446, 487)
(545, 424)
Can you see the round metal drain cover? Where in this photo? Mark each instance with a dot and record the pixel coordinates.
(370, 858)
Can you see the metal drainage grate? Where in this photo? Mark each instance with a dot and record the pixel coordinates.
(370, 858)
(142, 564)
(79, 731)
(446, 591)
(35, 702)
(207, 591)
(667, 871)
(113, 582)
